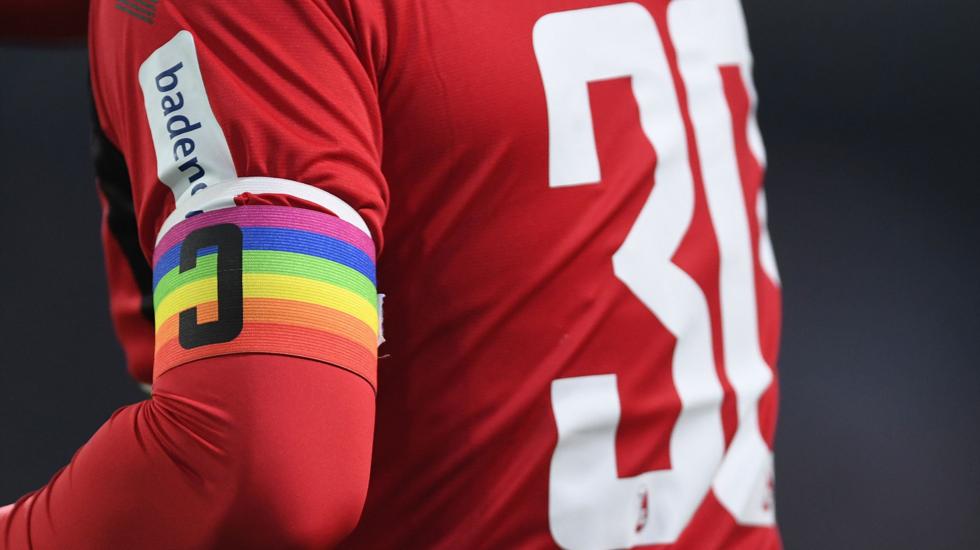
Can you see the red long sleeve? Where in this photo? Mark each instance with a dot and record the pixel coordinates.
(241, 451)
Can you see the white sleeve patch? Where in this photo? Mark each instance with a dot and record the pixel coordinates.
(192, 152)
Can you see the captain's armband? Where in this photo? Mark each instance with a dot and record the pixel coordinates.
(266, 279)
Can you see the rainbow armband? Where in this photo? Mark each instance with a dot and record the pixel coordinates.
(266, 279)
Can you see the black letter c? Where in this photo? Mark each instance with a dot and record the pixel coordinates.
(228, 238)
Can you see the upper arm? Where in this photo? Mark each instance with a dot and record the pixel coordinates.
(212, 105)
(251, 138)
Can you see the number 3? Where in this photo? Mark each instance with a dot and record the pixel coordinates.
(589, 505)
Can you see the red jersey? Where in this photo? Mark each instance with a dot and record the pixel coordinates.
(581, 313)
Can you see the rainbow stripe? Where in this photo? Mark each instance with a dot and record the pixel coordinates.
(307, 283)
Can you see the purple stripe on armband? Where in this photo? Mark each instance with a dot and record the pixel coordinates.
(282, 217)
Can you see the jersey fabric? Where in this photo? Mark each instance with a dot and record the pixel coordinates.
(581, 312)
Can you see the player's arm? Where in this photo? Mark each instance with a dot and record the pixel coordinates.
(259, 430)
(43, 21)
(245, 451)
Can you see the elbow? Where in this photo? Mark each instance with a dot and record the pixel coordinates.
(287, 449)
(301, 485)
(295, 453)
(307, 495)
(316, 514)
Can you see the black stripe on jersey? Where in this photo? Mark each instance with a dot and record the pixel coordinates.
(113, 180)
(144, 10)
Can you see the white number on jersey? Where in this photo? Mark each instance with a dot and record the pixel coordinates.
(589, 505)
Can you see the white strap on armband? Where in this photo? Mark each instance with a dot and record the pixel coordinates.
(222, 195)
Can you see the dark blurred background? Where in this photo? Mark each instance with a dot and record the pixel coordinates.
(870, 112)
